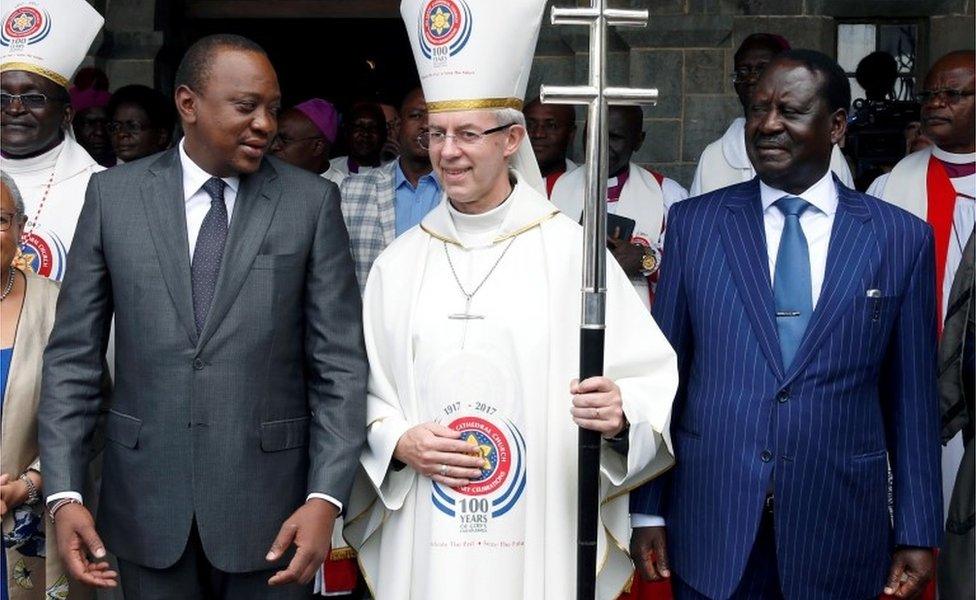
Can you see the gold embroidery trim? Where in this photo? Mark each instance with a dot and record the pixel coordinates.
(22, 66)
(342, 553)
(476, 104)
(507, 236)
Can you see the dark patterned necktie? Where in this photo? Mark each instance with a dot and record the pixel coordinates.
(209, 251)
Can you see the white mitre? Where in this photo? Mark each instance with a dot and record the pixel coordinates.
(47, 37)
(476, 54)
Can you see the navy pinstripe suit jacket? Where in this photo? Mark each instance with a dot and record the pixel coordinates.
(860, 393)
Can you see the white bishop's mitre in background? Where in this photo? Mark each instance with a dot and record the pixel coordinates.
(47, 37)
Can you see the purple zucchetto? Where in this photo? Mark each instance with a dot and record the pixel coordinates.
(323, 115)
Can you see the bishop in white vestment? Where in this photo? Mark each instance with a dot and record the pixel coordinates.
(500, 376)
(43, 49)
(472, 330)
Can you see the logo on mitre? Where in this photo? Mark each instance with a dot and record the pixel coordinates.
(444, 28)
(25, 25)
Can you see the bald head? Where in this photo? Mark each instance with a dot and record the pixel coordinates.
(947, 101)
(551, 128)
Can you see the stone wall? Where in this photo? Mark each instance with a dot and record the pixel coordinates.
(686, 53)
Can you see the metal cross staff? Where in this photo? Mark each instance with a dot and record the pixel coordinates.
(597, 98)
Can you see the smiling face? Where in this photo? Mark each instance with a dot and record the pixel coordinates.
(951, 124)
(790, 130)
(230, 123)
(475, 176)
(27, 132)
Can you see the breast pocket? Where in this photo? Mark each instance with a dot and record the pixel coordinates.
(872, 321)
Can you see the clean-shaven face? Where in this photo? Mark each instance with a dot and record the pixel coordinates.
(474, 175)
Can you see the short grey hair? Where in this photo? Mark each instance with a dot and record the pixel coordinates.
(14, 193)
(504, 116)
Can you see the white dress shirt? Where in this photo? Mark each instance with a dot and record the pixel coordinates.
(816, 222)
(197, 200)
(197, 204)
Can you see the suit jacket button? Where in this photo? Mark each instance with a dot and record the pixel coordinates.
(766, 456)
(783, 395)
(197, 364)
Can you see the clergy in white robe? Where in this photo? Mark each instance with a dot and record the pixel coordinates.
(472, 330)
(637, 194)
(40, 53)
(938, 184)
(502, 380)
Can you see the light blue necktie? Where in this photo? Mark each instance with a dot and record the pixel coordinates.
(791, 283)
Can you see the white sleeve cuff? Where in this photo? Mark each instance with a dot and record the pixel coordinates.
(325, 497)
(637, 520)
(62, 496)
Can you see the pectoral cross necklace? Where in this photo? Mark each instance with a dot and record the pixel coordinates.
(467, 314)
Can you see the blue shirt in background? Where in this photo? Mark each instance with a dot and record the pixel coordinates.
(412, 204)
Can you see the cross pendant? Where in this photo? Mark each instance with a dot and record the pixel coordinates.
(466, 315)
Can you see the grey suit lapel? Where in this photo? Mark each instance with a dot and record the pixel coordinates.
(256, 201)
(165, 208)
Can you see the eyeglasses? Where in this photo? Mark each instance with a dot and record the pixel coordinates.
(28, 101)
(746, 74)
(464, 138)
(6, 220)
(132, 127)
(284, 140)
(951, 96)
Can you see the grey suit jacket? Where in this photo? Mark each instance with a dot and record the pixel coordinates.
(233, 427)
(369, 208)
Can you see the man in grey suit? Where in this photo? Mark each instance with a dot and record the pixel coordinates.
(238, 410)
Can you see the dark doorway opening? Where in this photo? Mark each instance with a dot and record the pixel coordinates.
(342, 60)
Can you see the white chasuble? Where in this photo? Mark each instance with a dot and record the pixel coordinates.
(497, 369)
(474, 365)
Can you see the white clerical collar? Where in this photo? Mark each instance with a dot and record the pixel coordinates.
(528, 208)
(822, 195)
(194, 176)
(42, 162)
(952, 157)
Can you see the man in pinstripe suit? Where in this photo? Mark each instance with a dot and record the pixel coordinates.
(803, 316)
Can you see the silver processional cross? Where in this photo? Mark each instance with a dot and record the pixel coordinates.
(597, 97)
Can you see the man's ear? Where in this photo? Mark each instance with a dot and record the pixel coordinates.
(68, 116)
(838, 125)
(640, 141)
(186, 104)
(516, 133)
